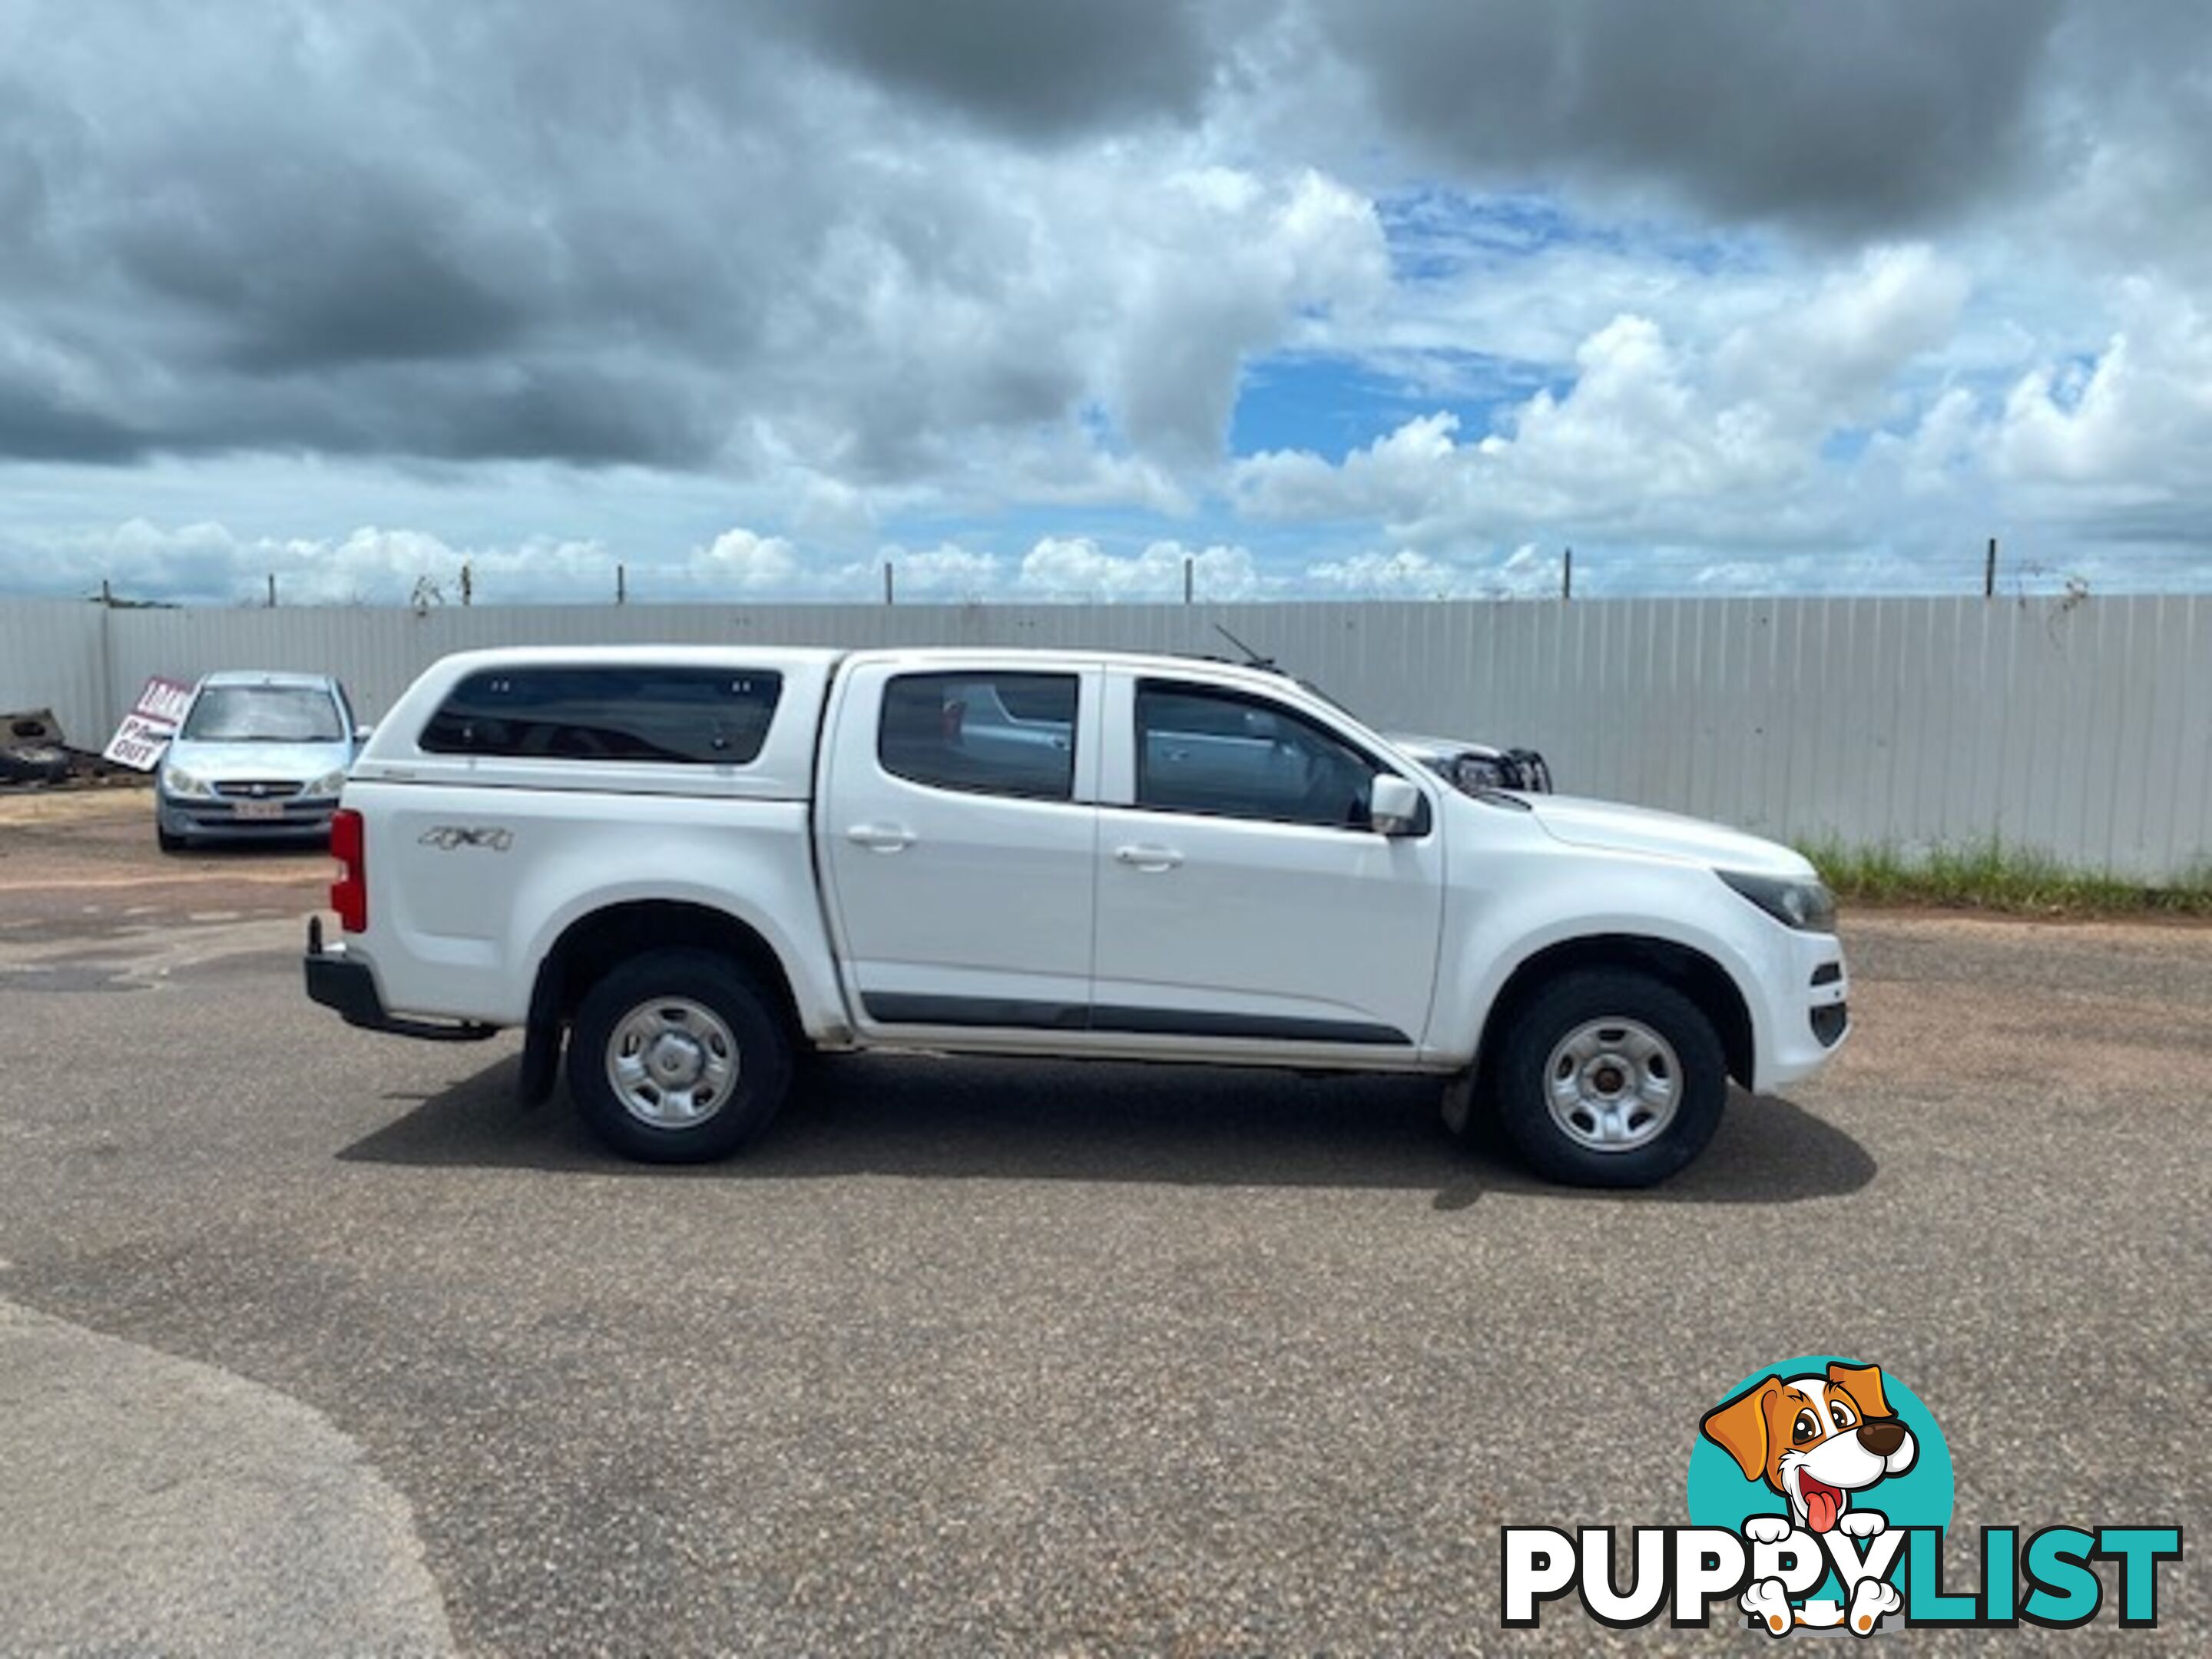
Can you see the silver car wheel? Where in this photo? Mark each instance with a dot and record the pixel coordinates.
(1613, 1085)
(672, 1062)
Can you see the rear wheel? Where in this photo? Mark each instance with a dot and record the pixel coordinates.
(678, 1057)
(1609, 1078)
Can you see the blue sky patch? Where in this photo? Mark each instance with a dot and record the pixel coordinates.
(1332, 406)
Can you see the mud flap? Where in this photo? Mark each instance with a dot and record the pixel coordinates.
(541, 1044)
(1457, 1105)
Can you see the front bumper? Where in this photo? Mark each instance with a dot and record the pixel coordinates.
(205, 816)
(1810, 1014)
(348, 986)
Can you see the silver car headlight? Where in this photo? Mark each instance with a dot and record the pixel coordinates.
(175, 781)
(328, 785)
(1473, 773)
(1469, 774)
(1807, 906)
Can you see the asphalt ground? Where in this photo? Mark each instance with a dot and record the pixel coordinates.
(987, 1357)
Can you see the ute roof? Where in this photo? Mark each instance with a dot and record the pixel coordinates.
(826, 657)
(524, 656)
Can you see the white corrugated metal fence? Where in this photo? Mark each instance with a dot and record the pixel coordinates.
(2082, 730)
(53, 655)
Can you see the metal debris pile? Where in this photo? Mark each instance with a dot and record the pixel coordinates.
(33, 754)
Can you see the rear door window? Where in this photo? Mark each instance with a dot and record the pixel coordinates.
(985, 734)
(690, 716)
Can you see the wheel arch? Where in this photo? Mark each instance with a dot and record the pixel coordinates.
(611, 935)
(1689, 970)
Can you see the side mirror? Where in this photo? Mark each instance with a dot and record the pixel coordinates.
(1394, 806)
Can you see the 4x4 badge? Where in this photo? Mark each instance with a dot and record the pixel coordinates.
(451, 838)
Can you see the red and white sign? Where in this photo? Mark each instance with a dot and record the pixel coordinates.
(152, 721)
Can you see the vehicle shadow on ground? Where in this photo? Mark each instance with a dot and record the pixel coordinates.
(939, 1118)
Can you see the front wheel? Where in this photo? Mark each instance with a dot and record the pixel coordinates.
(1609, 1078)
(678, 1057)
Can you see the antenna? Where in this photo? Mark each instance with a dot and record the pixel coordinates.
(1252, 659)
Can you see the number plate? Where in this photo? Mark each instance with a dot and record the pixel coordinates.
(261, 810)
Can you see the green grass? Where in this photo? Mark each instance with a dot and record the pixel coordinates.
(1990, 876)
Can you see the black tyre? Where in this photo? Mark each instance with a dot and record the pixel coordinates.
(678, 1057)
(1609, 1078)
(167, 842)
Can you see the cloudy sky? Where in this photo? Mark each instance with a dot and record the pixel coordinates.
(1042, 298)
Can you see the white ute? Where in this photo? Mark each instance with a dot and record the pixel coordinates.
(690, 864)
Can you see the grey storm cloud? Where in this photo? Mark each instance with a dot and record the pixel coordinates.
(1873, 116)
(648, 232)
(564, 230)
(38, 427)
(1035, 68)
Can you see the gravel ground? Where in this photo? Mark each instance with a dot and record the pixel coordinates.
(1022, 1357)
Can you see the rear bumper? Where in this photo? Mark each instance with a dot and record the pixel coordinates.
(347, 985)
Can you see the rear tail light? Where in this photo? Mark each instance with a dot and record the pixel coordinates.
(349, 892)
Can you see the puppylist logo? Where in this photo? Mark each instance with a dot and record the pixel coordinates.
(1819, 1493)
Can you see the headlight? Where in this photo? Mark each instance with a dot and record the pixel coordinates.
(329, 784)
(1807, 906)
(183, 785)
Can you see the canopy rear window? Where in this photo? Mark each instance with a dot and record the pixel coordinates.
(690, 717)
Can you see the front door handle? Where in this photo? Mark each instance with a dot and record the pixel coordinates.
(1151, 859)
(881, 837)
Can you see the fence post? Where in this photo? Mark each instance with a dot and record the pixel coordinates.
(273, 590)
(1567, 577)
(108, 700)
(468, 583)
(1188, 566)
(622, 584)
(888, 598)
(1990, 572)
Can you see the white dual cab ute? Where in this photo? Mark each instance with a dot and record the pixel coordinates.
(692, 866)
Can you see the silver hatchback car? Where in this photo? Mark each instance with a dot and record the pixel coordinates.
(258, 756)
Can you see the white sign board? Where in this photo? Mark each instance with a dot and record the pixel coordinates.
(152, 721)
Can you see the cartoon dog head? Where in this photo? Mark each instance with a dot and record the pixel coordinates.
(1814, 1439)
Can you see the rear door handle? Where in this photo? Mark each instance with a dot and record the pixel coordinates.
(1153, 859)
(881, 837)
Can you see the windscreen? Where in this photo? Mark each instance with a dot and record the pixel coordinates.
(264, 714)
